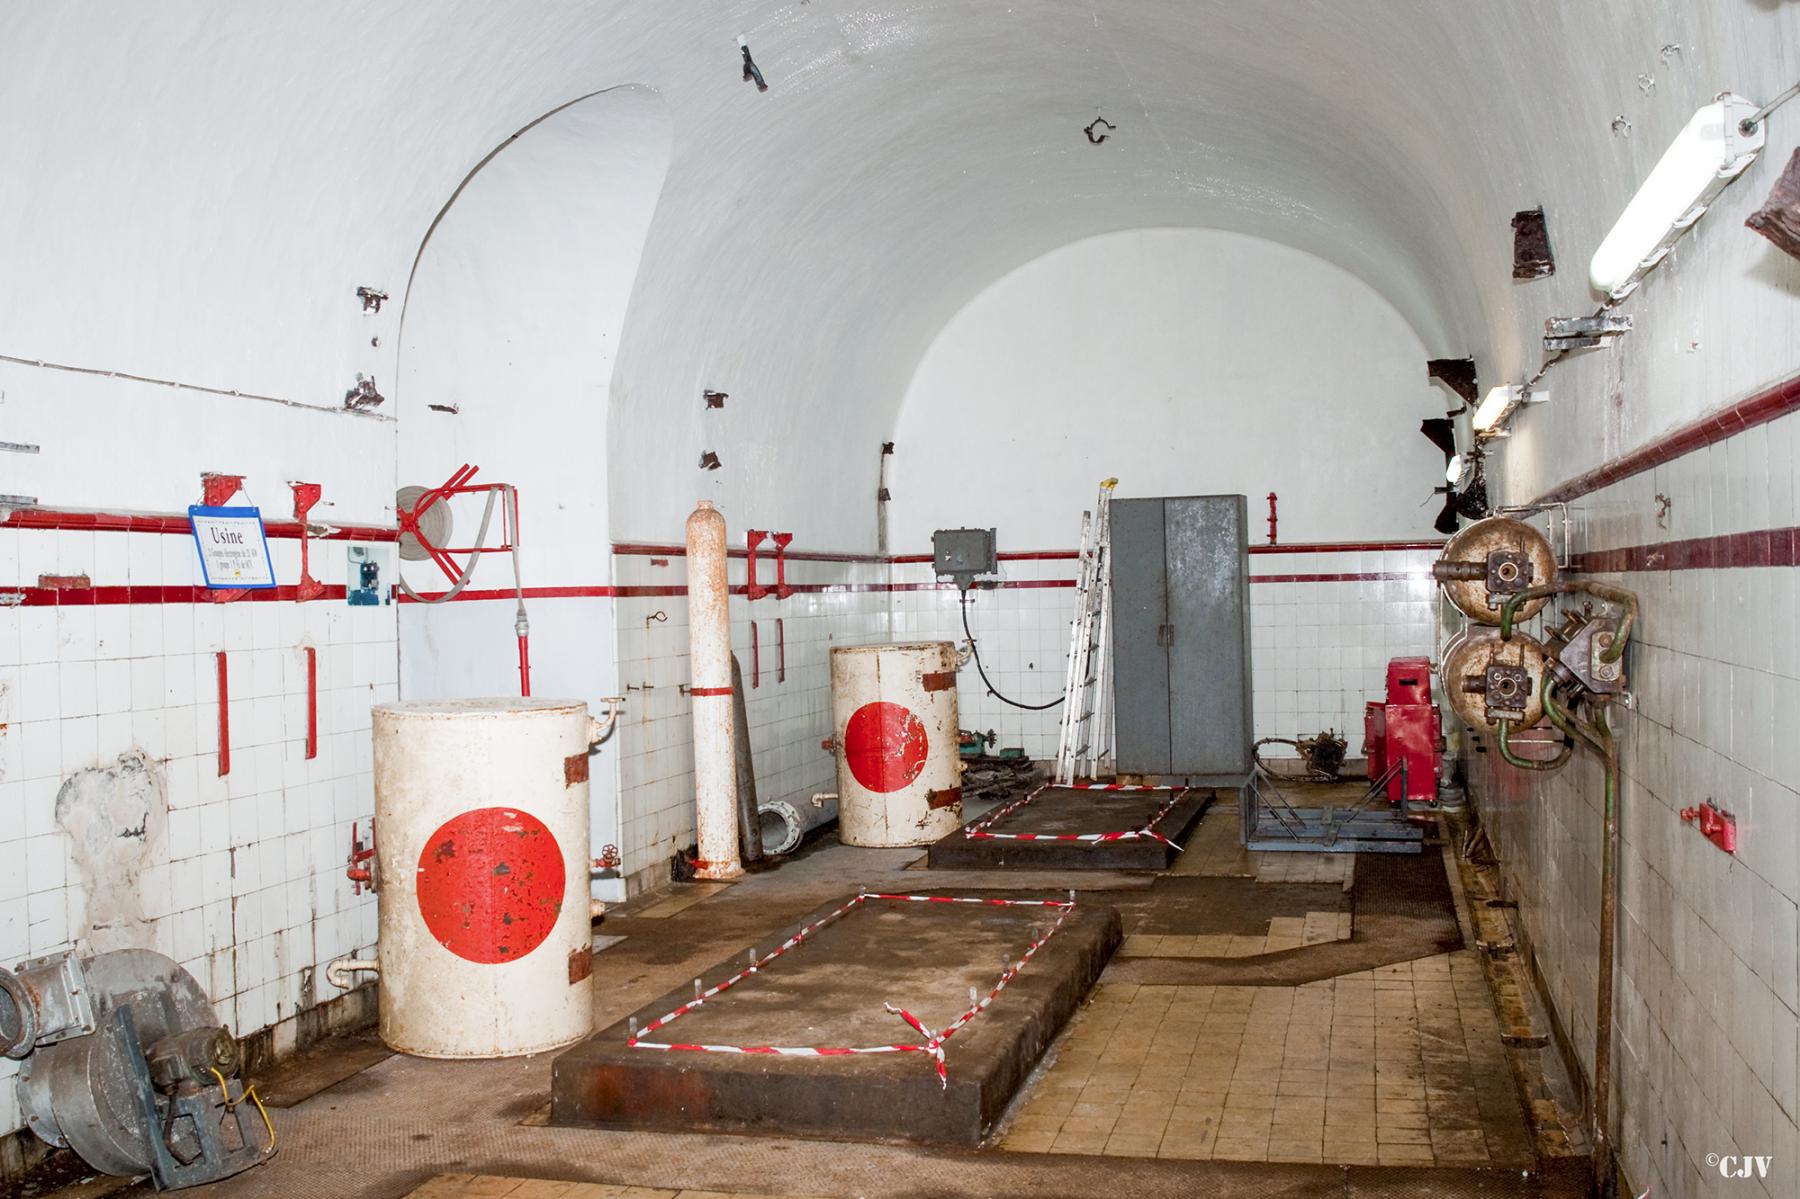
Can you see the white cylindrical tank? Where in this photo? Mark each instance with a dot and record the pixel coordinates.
(481, 816)
(894, 712)
(709, 662)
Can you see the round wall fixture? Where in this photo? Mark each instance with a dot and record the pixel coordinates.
(435, 522)
(1492, 560)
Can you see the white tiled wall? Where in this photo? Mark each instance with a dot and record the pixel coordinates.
(1023, 635)
(250, 891)
(788, 719)
(1708, 1049)
(1319, 650)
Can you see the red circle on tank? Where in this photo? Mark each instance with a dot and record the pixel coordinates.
(490, 884)
(885, 745)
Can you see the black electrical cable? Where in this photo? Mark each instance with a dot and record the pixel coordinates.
(981, 670)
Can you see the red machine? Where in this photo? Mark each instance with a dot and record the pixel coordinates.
(1407, 727)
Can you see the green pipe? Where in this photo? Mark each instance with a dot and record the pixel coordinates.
(1570, 726)
(1603, 1002)
(1556, 763)
(1601, 591)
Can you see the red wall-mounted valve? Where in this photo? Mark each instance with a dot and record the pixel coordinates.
(1715, 824)
(360, 869)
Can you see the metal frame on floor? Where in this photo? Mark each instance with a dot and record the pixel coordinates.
(1272, 822)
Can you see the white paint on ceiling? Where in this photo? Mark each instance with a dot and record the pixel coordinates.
(1174, 360)
(209, 182)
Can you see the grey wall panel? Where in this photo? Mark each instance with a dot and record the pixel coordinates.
(1209, 654)
(1140, 661)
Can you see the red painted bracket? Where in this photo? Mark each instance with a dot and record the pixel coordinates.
(1271, 518)
(1715, 824)
(755, 657)
(224, 716)
(752, 590)
(305, 496)
(312, 702)
(215, 490)
(780, 650)
(782, 590)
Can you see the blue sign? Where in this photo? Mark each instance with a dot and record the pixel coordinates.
(234, 552)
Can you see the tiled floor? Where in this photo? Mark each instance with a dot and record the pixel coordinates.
(1285, 932)
(490, 1186)
(1399, 1066)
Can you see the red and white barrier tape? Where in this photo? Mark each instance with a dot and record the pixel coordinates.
(934, 1042)
(979, 830)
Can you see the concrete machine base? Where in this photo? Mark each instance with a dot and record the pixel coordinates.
(769, 1050)
(1041, 831)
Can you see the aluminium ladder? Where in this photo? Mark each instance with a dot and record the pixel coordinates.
(1086, 736)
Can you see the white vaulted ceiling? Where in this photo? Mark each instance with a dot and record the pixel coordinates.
(194, 190)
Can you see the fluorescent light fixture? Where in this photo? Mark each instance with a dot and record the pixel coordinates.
(1453, 474)
(1496, 406)
(1707, 154)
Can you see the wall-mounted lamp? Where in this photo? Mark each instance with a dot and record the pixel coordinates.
(1500, 403)
(1496, 406)
(1453, 474)
(1715, 147)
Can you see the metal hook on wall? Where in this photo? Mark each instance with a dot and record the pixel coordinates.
(1096, 139)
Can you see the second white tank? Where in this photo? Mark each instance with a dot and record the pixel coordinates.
(895, 720)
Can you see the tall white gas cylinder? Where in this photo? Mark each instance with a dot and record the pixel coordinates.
(481, 818)
(894, 712)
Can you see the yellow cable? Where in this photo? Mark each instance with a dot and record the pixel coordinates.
(250, 1094)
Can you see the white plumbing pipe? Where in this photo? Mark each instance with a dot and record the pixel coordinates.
(598, 728)
(709, 658)
(338, 971)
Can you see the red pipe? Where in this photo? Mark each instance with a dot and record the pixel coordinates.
(781, 651)
(525, 664)
(755, 657)
(312, 702)
(224, 717)
(1271, 518)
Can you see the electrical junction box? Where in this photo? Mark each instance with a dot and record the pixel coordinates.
(963, 553)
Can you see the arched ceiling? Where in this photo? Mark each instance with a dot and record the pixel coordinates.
(198, 188)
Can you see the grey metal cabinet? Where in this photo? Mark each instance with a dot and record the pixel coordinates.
(1181, 636)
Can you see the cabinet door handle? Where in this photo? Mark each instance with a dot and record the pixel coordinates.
(1165, 635)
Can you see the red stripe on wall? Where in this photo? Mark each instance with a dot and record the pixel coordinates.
(635, 549)
(1767, 547)
(638, 549)
(140, 522)
(1367, 576)
(49, 597)
(1759, 409)
(1346, 547)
